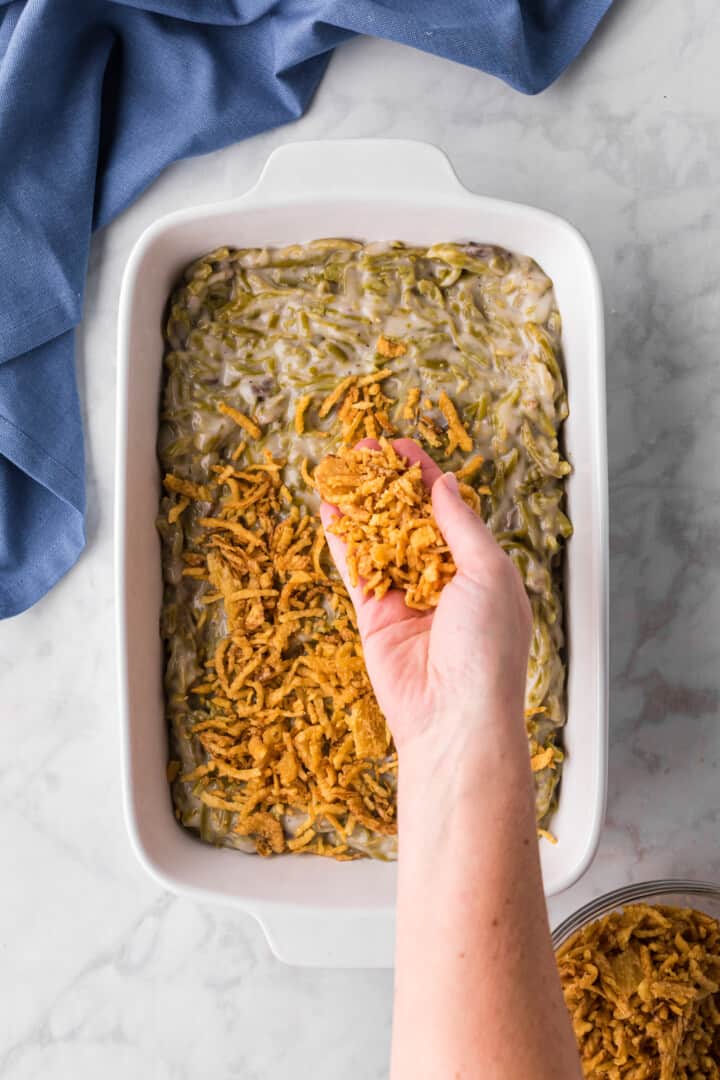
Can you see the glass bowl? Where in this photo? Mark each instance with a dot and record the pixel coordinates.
(701, 895)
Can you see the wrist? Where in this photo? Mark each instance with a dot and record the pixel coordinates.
(460, 757)
(480, 730)
(461, 801)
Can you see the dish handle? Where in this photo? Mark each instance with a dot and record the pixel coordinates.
(357, 166)
(333, 938)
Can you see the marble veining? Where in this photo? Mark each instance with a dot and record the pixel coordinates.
(104, 973)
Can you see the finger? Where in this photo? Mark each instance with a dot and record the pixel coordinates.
(468, 537)
(367, 444)
(328, 513)
(372, 614)
(411, 450)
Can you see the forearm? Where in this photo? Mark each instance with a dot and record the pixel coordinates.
(477, 992)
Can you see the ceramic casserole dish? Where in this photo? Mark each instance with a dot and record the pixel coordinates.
(315, 911)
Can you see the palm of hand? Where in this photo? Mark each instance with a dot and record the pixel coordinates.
(425, 664)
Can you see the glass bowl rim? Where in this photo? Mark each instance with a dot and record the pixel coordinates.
(628, 894)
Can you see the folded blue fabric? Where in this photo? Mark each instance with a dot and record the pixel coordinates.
(96, 98)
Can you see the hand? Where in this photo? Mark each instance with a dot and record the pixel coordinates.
(461, 665)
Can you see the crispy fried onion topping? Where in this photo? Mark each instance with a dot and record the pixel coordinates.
(643, 989)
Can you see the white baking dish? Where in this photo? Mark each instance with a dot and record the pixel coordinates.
(315, 911)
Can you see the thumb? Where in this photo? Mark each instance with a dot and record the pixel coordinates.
(468, 537)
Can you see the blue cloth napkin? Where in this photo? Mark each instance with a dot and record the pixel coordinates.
(96, 98)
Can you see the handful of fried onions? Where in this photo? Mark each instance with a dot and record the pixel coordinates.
(387, 524)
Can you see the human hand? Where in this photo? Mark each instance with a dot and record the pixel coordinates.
(458, 666)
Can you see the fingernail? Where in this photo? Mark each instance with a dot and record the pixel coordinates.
(450, 480)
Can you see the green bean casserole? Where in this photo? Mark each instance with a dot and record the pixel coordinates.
(275, 358)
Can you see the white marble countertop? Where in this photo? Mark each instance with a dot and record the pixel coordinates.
(107, 975)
